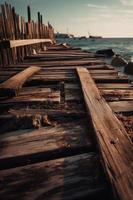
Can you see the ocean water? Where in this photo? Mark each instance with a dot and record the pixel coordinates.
(121, 46)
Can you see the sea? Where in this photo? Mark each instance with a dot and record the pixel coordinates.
(121, 46)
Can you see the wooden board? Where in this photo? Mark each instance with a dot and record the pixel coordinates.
(66, 63)
(38, 97)
(117, 95)
(27, 118)
(76, 177)
(45, 143)
(121, 106)
(114, 144)
(12, 86)
(111, 86)
(66, 67)
(24, 42)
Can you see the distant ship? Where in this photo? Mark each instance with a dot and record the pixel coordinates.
(82, 38)
(95, 37)
(63, 35)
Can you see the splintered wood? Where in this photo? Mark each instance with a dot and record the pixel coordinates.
(114, 145)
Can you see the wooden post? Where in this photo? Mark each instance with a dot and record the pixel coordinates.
(114, 145)
(29, 14)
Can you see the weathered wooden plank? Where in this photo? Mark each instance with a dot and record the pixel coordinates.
(115, 86)
(109, 79)
(66, 63)
(47, 54)
(58, 58)
(68, 52)
(114, 144)
(20, 146)
(12, 86)
(35, 118)
(35, 91)
(76, 177)
(47, 72)
(68, 72)
(66, 67)
(117, 95)
(37, 97)
(73, 77)
(18, 43)
(121, 106)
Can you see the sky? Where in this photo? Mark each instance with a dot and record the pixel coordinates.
(107, 18)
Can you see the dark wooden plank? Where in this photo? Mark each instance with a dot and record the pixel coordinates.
(116, 149)
(113, 79)
(48, 72)
(12, 86)
(45, 143)
(35, 118)
(66, 67)
(33, 97)
(73, 77)
(66, 63)
(76, 177)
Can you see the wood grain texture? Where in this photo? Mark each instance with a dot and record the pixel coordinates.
(121, 106)
(76, 177)
(45, 142)
(12, 86)
(114, 144)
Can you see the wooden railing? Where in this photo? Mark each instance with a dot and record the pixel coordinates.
(18, 38)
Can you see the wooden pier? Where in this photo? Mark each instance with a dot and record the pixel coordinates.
(66, 126)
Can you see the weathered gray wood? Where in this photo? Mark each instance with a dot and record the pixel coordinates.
(114, 144)
(12, 86)
(76, 177)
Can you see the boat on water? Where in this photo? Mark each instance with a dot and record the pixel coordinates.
(83, 38)
(95, 37)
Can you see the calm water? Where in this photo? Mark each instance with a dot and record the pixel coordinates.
(122, 46)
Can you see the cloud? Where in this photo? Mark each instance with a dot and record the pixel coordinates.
(96, 6)
(127, 2)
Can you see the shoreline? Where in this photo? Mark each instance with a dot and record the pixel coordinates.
(88, 47)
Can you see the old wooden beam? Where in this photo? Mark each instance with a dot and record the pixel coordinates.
(12, 86)
(17, 43)
(48, 141)
(114, 144)
(79, 177)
